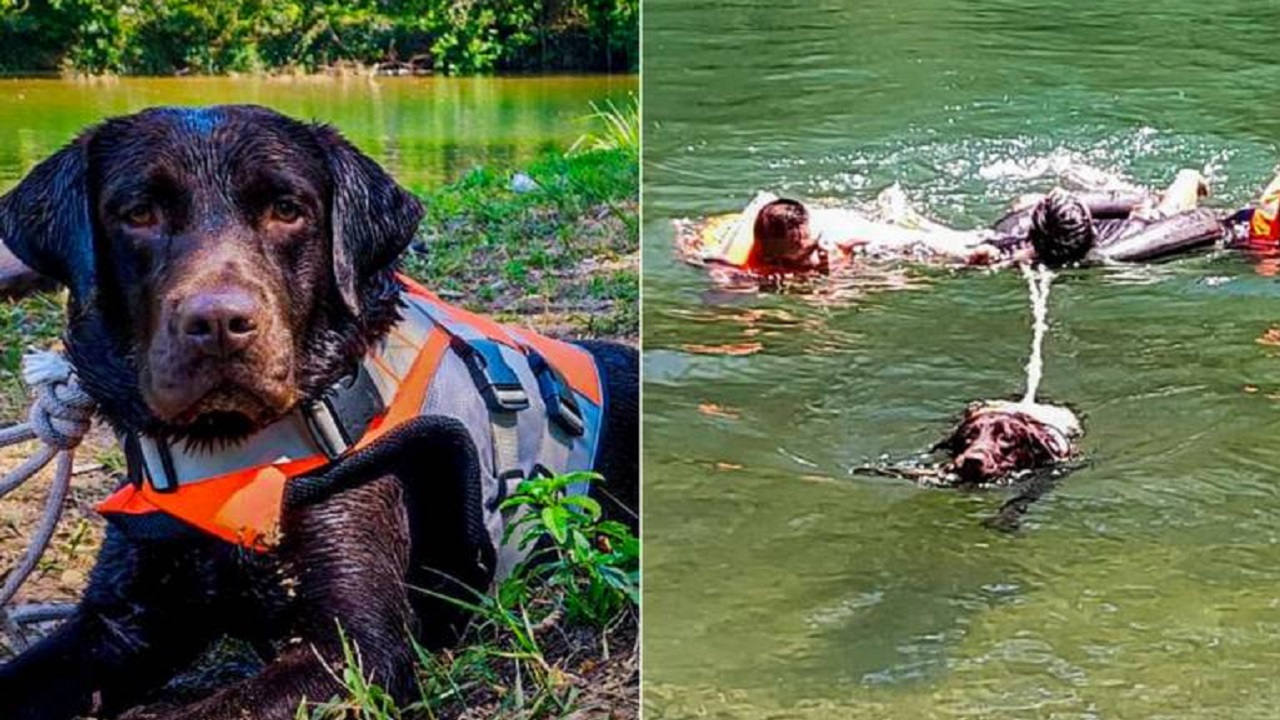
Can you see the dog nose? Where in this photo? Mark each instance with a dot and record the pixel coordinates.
(975, 467)
(219, 323)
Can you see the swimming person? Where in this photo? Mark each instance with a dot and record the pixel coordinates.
(1064, 228)
(779, 236)
(776, 235)
(1257, 227)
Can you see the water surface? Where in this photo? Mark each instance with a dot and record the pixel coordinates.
(427, 131)
(777, 584)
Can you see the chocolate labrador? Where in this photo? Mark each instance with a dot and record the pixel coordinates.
(227, 265)
(1026, 447)
(995, 441)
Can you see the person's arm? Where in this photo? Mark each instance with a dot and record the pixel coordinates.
(850, 231)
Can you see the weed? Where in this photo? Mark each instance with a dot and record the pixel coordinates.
(594, 563)
(618, 127)
(582, 577)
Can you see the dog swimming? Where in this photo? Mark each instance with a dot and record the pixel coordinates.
(1021, 444)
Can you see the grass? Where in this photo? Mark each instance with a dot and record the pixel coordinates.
(31, 322)
(556, 244)
(617, 128)
(535, 642)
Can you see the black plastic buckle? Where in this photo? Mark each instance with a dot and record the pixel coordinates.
(342, 415)
(494, 378)
(504, 482)
(562, 406)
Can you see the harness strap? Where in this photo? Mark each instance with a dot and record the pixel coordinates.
(497, 383)
(237, 493)
(506, 453)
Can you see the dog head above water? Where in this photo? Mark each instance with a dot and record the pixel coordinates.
(997, 439)
(223, 263)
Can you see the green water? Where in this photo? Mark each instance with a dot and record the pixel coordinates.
(779, 586)
(426, 131)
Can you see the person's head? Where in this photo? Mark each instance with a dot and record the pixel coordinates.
(782, 238)
(1062, 229)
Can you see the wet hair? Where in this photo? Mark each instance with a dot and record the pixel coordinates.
(1061, 230)
(781, 235)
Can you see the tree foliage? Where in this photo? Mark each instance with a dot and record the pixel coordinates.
(163, 37)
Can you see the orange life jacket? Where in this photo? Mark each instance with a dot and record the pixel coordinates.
(1264, 225)
(531, 404)
(724, 240)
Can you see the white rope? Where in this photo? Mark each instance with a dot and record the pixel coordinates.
(1038, 282)
(60, 416)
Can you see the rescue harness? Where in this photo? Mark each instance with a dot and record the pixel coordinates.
(531, 405)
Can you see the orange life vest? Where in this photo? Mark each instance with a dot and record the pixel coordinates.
(1264, 225)
(536, 405)
(724, 240)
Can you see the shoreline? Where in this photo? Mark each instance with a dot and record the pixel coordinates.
(108, 78)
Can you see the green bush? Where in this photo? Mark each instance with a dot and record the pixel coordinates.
(154, 37)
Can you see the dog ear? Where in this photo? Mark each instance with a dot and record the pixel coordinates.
(1044, 447)
(45, 220)
(373, 219)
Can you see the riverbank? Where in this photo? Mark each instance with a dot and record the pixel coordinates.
(553, 246)
(447, 37)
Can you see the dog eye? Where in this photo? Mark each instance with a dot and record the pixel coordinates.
(141, 216)
(286, 211)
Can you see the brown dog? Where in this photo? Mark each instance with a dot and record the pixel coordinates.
(231, 271)
(995, 441)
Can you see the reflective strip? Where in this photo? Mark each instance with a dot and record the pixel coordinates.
(506, 448)
(281, 442)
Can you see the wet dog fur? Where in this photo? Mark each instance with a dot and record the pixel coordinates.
(990, 446)
(223, 265)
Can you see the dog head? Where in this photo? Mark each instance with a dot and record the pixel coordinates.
(223, 263)
(994, 440)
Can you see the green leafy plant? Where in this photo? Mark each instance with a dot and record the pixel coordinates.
(583, 572)
(447, 36)
(593, 563)
(364, 698)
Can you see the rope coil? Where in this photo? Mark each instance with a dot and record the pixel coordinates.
(61, 415)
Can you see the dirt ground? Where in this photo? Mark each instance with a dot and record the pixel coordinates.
(62, 571)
